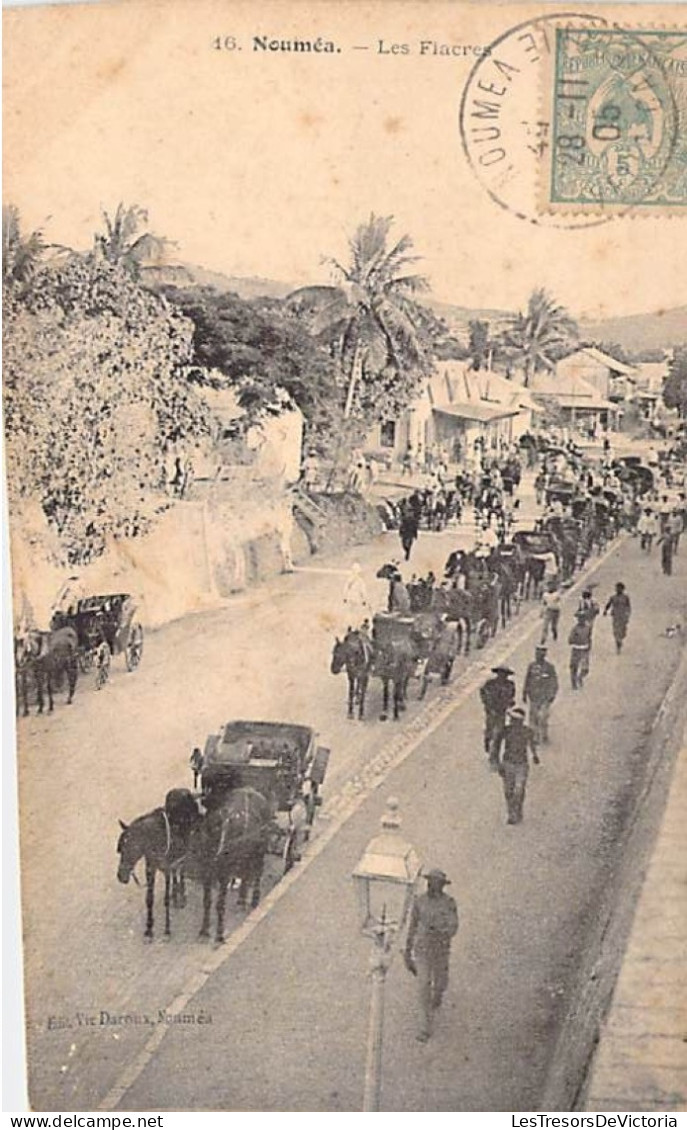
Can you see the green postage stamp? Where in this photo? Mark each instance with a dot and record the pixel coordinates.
(619, 121)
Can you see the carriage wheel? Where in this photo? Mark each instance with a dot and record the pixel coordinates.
(134, 647)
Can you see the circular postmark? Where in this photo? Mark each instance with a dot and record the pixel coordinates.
(560, 141)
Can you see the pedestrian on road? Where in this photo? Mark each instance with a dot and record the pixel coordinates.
(196, 763)
(551, 611)
(539, 690)
(498, 696)
(580, 640)
(674, 528)
(433, 924)
(355, 599)
(667, 545)
(620, 609)
(647, 528)
(589, 609)
(518, 741)
(408, 531)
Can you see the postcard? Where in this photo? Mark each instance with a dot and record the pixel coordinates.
(344, 390)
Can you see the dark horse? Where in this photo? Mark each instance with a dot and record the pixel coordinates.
(231, 842)
(394, 663)
(47, 656)
(161, 838)
(355, 652)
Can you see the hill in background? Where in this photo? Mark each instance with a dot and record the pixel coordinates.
(634, 332)
(640, 331)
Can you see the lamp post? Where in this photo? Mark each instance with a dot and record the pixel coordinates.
(384, 878)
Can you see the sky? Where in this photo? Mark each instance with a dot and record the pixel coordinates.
(263, 163)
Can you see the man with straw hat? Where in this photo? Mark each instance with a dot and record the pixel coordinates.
(518, 739)
(497, 695)
(433, 924)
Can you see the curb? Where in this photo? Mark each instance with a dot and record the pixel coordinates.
(580, 1032)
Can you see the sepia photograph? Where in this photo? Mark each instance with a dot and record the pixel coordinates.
(344, 389)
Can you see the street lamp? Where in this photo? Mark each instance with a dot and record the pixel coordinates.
(384, 879)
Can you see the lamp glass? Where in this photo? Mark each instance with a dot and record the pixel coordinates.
(384, 878)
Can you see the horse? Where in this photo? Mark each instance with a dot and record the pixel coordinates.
(48, 656)
(394, 663)
(458, 605)
(160, 838)
(442, 656)
(231, 842)
(356, 653)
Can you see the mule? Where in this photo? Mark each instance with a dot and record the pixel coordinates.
(355, 653)
(47, 657)
(230, 843)
(161, 839)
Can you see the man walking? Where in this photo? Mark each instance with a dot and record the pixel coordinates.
(588, 608)
(518, 740)
(551, 611)
(620, 609)
(580, 640)
(540, 689)
(433, 924)
(647, 528)
(667, 545)
(497, 695)
(408, 530)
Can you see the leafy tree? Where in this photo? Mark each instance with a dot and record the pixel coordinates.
(675, 386)
(259, 346)
(21, 255)
(372, 323)
(613, 349)
(94, 393)
(540, 334)
(125, 241)
(479, 344)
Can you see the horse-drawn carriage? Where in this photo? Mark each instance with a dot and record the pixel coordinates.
(105, 626)
(282, 762)
(560, 489)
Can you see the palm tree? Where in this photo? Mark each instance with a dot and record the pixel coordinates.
(533, 338)
(21, 255)
(124, 241)
(369, 317)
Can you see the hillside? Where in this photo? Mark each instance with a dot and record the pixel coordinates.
(249, 287)
(633, 332)
(640, 331)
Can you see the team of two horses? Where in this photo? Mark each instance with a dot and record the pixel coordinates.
(225, 842)
(43, 660)
(477, 595)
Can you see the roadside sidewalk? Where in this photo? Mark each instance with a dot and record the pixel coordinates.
(641, 1062)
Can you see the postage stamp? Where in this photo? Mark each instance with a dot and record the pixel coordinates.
(505, 120)
(619, 121)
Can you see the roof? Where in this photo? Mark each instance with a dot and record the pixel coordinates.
(586, 405)
(456, 383)
(482, 412)
(569, 392)
(603, 359)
